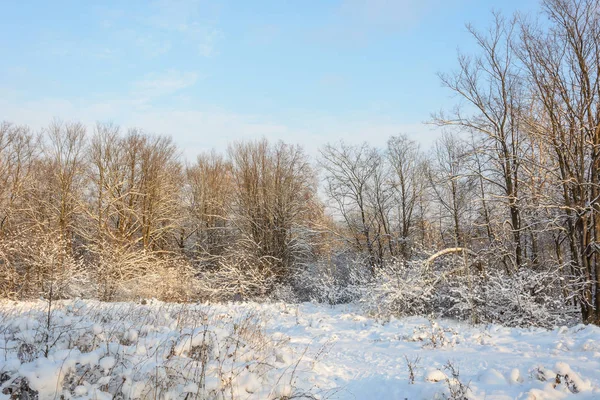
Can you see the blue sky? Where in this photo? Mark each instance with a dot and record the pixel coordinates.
(209, 72)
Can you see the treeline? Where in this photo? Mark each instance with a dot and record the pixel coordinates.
(512, 186)
(112, 207)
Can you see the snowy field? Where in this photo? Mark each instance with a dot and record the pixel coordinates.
(96, 350)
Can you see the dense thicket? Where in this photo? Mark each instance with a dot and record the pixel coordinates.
(500, 218)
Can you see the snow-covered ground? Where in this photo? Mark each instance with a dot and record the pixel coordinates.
(262, 351)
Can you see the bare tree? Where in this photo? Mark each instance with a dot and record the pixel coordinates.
(382, 204)
(493, 89)
(563, 65)
(408, 184)
(134, 206)
(18, 155)
(274, 188)
(452, 185)
(18, 150)
(63, 182)
(478, 160)
(208, 196)
(45, 184)
(348, 184)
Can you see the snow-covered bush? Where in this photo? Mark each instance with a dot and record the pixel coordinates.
(170, 279)
(123, 273)
(9, 278)
(458, 290)
(42, 265)
(400, 289)
(457, 390)
(524, 298)
(433, 336)
(238, 276)
(332, 282)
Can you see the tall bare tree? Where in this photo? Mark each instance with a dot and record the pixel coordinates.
(563, 65)
(63, 182)
(348, 184)
(452, 185)
(274, 188)
(408, 184)
(209, 200)
(492, 87)
(18, 150)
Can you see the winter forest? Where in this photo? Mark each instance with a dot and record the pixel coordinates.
(496, 224)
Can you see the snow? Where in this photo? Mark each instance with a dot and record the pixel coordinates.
(435, 375)
(107, 363)
(256, 351)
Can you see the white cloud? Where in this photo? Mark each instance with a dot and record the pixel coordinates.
(197, 130)
(175, 14)
(159, 84)
(380, 12)
(193, 20)
(156, 28)
(207, 41)
(357, 22)
(152, 46)
(387, 14)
